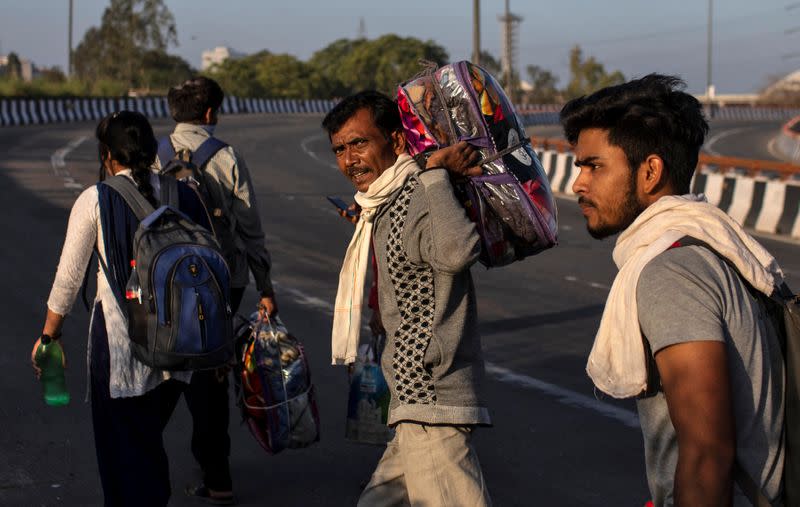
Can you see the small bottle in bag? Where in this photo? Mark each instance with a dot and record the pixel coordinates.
(133, 289)
(50, 358)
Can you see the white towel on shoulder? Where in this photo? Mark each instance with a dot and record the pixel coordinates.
(616, 363)
(347, 310)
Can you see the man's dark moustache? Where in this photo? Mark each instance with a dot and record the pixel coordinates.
(354, 170)
(584, 201)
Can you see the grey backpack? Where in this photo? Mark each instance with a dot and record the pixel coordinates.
(180, 317)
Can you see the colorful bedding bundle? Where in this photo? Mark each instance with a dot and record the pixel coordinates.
(511, 202)
(276, 394)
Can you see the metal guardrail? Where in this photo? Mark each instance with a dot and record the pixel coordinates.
(743, 166)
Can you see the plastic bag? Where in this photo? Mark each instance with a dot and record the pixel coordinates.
(511, 203)
(368, 400)
(276, 395)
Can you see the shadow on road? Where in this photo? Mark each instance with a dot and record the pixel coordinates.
(531, 321)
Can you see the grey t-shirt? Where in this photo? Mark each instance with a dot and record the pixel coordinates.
(689, 294)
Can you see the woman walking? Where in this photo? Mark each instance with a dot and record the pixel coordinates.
(131, 403)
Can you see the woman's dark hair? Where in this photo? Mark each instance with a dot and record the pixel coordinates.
(384, 112)
(646, 116)
(128, 138)
(189, 101)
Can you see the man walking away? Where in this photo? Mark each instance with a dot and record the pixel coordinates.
(685, 329)
(230, 198)
(424, 247)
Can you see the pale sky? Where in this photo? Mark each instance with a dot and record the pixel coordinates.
(634, 36)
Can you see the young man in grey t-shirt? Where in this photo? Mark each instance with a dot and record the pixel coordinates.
(683, 330)
(689, 294)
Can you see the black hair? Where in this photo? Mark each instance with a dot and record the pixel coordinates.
(128, 138)
(646, 116)
(189, 101)
(384, 112)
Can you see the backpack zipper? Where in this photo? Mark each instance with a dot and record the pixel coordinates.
(202, 318)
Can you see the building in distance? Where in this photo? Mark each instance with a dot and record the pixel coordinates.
(218, 55)
(26, 69)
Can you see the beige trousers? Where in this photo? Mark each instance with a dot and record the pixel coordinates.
(428, 466)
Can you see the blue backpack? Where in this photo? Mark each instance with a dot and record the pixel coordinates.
(181, 319)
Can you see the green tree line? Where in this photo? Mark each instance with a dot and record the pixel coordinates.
(339, 69)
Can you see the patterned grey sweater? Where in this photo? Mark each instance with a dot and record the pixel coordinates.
(424, 246)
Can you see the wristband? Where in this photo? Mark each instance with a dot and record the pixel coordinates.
(51, 337)
(422, 159)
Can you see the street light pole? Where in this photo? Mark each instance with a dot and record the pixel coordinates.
(69, 42)
(476, 32)
(709, 85)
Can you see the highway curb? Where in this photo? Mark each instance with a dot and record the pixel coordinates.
(764, 205)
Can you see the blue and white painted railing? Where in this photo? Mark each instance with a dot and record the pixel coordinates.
(58, 110)
(28, 111)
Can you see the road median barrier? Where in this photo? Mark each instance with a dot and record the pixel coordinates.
(36, 111)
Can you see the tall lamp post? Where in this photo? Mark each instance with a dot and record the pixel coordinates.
(69, 42)
(476, 32)
(709, 84)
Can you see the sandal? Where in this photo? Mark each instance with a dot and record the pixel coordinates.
(202, 493)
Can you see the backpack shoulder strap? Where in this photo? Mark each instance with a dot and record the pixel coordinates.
(133, 198)
(85, 283)
(169, 191)
(205, 151)
(166, 151)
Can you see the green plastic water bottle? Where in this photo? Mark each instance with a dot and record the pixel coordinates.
(50, 359)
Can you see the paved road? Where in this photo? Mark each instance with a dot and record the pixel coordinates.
(554, 442)
(745, 139)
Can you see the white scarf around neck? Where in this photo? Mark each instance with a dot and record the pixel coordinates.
(616, 363)
(350, 295)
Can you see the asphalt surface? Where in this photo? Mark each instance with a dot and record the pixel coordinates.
(554, 441)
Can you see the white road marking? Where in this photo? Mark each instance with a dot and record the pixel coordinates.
(304, 145)
(312, 302)
(593, 285)
(771, 147)
(773, 150)
(59, 165)
(725, 133)
(565, 396)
